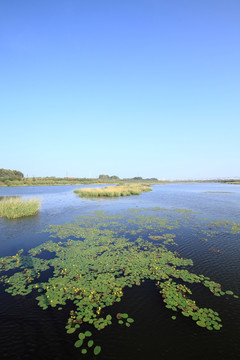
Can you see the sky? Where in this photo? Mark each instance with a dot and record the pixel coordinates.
(130, 88)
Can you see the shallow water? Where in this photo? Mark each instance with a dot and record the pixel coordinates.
(28, 332)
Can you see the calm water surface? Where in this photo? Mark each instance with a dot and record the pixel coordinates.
(27, 332)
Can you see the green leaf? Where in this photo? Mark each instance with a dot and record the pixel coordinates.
(209, 327)
(90, 343)
(78, 343)
(81, 336)
(201, 323)
(88, 333)
(130, 320)
(97, 350)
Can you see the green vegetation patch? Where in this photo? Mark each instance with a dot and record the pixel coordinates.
(13, 208)
(94, 264)
(113, 191)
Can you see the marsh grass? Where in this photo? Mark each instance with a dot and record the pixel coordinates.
(113, 191)
(15, 208)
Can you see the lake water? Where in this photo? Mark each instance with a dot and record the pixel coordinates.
(28, 332)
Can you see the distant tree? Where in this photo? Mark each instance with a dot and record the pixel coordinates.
(104, 177)
(114, 177)
(138, 178)
(11, 174)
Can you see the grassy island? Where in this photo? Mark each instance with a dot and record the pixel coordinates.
(113, 191)
(15, 208)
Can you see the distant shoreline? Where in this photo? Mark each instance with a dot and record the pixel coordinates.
(79, 182)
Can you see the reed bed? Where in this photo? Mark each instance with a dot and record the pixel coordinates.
(15, 208)
(113, 191)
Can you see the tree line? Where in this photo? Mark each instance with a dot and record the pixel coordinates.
(11, 174)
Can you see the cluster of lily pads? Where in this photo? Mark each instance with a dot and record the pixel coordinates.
(167, 238)
(97, 258)
(124, 319)
(176, 297)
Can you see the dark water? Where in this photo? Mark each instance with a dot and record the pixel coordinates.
(27, 332)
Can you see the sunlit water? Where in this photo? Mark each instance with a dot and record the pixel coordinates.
(28, 332)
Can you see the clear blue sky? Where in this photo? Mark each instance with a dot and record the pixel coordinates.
(145, 88)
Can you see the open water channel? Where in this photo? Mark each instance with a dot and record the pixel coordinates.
(28, 332)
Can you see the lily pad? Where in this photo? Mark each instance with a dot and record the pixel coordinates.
(97, 350)
(130, 320)
(90, 343)
(78, 343)
(81, 336)
(201, 323)
(88, 333)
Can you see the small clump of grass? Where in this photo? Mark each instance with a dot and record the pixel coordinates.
(15, 208)
(113, 191)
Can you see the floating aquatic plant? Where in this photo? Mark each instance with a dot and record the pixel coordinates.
(94, 264)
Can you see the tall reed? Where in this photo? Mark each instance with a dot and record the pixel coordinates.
(13, 208)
